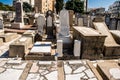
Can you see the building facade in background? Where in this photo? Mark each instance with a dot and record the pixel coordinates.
(43, 6)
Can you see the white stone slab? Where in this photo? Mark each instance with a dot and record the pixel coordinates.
(23, 39)
(2, 70)
(52, 75)
(11, 74)
(93, 79)
(67, 69)
(14, 62)
(33, 77)
(22, 66)
(77, 48)
(41, 47)
(44, 62)
(75, 62)
(74, 76)
(80, 69)
(59, 48)
(2, 63)
(34, 68)
(89, 73)
(115, 73)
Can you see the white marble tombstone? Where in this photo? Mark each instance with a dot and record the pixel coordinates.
(41, 24)
(59, 48)
(77, 48)
(64, 23)
(1, 25)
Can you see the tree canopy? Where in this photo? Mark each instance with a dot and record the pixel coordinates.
(27, 7)
(75, 5)
(6, 7)
(59, 5)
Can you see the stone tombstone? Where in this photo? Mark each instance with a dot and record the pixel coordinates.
(64, 22)
(10, 14)
(107, 19)
(77, 15)
(77, 48)
(41, 24)
(80, 21)
(19, 12)
(59, 48)
(118, 25)
(1, 24)
(113, 25)
(49, 22)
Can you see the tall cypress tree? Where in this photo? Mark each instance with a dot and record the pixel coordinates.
(59, 5)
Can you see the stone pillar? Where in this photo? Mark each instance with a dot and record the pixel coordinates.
(80, 22)
(118, 25)
(1, 25)
(60, 48)
(77, 48)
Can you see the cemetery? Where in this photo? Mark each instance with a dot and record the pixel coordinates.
(64, 46)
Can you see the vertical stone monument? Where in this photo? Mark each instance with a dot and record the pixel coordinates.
(41, 24)
(19, 23)
(49, 23)
(77, 48)
(1, 27)
(60, 48)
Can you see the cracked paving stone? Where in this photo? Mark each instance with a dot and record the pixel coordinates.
(34, 68)
(2, 63)
(52, 75)
(22, 66)
(14, 62)
(74, 76)
(68, 69)
(80, 69)
(33, 77)
(2, 70)
(11, 74)
(89, 73)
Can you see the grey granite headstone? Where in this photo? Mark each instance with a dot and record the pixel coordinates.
(19, 12)
(1, 25)
(41, 24)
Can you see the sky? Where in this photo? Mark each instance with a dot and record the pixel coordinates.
(91, 3)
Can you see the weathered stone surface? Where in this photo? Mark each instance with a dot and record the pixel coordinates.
(33, 77)
(80, 69)
(34, 68)
(75, 62)
(21, 66)
(92, 42)
(10, 74)
(2, 63)
(90, 73)
(74, 76)
(2, 70)
(68, 69)
(52, 75)
(14, 62)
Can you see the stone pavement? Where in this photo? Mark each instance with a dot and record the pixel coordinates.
(12, 69)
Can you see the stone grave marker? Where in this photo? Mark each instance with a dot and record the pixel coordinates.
(1, 25)
(77, 48)
(41, 24)
(60, 48)
(49, 23)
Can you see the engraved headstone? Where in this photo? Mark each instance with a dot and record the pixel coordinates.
(1, 25)
(64, 22)
(41, 24)
(49, 22)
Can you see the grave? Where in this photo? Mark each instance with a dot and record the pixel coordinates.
(41, 24)
(20, 47)
(59, 48)
(40, 51)
(111, 48)
(109, 70)
(1, 27)
(118, 24)
(116, 35)
(64, 29)
(19, 23)
(91, 42)
(49, 23)
(8, 36)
